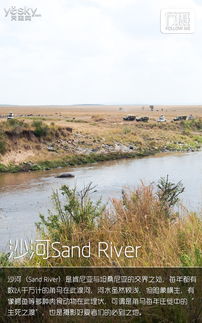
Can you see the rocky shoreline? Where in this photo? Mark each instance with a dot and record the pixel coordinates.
(88, 156)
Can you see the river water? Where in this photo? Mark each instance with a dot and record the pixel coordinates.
(24, 195)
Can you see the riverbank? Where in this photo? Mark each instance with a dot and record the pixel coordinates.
(109, 178)
(43, 145)
(74, 161)
(144, 217)
(71, 161)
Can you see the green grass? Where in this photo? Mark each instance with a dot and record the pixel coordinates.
(71, 161)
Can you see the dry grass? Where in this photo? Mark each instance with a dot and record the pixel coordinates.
(111, 111)
(95, 127)
(138, 219)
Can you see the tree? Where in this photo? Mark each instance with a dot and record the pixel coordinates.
(168, 193)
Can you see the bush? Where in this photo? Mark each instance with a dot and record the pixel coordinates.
(41, 129)
(2, 147)
(168, 193)
(138, 218)
(15, 123)
(15, 127)
(77, 209)
(195, 124)
(195, 259)
(4, 260)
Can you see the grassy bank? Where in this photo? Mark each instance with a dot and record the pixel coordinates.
(145, 217)
(71, 161)
(38, 145)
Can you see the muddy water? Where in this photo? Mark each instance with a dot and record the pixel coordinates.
(23, 196)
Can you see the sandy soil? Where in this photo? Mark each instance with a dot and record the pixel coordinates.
(17, 157)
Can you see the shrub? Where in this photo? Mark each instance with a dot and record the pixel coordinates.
(3, 168)
(77, 209)
(4, 260)
(15, 127)
(2, 146)
(15, 123)
(136, 219)
(168, 193)
(41, 129)
(192, 260)
(195, 124)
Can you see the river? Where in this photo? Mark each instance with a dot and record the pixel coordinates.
(24, 195)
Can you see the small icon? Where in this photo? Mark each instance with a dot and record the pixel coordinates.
(180, 21)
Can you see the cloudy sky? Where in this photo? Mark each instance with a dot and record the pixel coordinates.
(99, 51)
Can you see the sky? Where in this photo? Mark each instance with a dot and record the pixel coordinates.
(99, 52)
